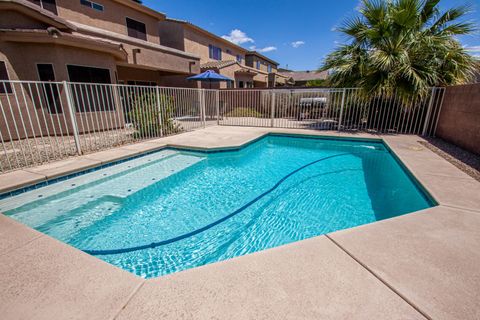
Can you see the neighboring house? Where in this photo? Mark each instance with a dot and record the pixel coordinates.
(264, 64)
(221, 55)
(301, 78)
(82, 41)
(87, 41)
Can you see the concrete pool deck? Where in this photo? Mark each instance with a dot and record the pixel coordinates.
(423, 265)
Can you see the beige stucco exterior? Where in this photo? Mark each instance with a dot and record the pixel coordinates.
(253, 57)
(82, 36)
(79, 36)
(112, 18)
(88, 30)
(185, 36)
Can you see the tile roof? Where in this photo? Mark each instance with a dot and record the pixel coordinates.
(246, 71)
(217, 64)
(306, 75)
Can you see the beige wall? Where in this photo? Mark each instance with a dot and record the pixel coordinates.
(172, 34)
(459, 120)
(10, 19)
(112, 18)
(251, 61)
(23, 66)
(161, 60)
(126, 74)
(197, 43)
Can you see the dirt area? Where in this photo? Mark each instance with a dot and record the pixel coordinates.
(466, 161)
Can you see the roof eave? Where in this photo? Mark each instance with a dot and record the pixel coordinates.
(66, 39)
(37, 12)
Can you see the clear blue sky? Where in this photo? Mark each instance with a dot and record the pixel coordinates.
(279, 23)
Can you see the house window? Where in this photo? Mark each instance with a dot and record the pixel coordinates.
(141, 83)
(50, 91)
(5, 87)
(269, 68)
(89, 96)
(214, 52)
(49, 5)
(258, 65)
(136, 29)
(91, 4)
(239, 58)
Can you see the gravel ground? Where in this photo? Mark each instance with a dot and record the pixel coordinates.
(466, 161)
(40, 150)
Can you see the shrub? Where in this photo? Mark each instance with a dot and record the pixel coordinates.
(244, 112)
(150, 120)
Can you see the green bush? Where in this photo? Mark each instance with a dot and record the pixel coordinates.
(150, 120)
(244, 112)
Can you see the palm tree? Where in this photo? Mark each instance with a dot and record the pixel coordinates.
(405, 46)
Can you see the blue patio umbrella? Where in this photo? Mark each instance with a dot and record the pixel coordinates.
(209, 76)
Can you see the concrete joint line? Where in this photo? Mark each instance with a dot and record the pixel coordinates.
(460, 208)
(134, 292)
(23, 245)
(39, 174)
(413, 305)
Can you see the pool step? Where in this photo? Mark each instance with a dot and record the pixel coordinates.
(118, 181)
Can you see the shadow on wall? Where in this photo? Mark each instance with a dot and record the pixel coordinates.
(459, 121)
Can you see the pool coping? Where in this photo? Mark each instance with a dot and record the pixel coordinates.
(408, 158)
(89, 168)
(81, 170)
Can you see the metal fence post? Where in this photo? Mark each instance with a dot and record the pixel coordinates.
(429, 111)
(434, 132)
(340, 118)
(272, 110)
(217, 105)
(159, 106)
(71, 112)
(204, 116)
(201, 100)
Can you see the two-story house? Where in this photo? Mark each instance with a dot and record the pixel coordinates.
(81, 41)
(220, 55)
(106, 41)
(262, 63)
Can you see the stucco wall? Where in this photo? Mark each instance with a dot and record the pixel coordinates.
(10, 19)
(24, 67)
(112, 18)
(251, 61)
(22, 59)
(197, 43)
(172, 34)
(459, 120)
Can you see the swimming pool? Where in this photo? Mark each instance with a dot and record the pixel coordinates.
(173, 209)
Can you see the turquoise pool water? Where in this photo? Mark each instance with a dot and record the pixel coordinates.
(173, 210)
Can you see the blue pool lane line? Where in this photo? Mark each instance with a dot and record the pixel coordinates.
(213, 224)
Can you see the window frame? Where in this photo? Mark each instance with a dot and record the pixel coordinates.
(128, 29)
(56, 105)
(111, 103)
(40, 4)
(92, 4)
(142, 83)
(212, 50)
(7, 88)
